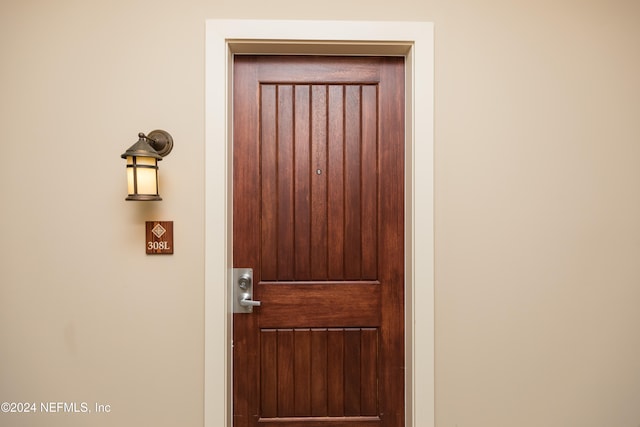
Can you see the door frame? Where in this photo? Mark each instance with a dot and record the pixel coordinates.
(414, 41)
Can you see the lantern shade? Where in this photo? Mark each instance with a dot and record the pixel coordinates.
(142, 178)
(142, 171)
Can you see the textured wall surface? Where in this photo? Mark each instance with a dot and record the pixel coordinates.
(537, 207)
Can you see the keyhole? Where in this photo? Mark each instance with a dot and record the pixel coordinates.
(244, 281)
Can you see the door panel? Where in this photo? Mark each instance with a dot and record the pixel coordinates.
(319, 173)
(318, 215)
(319, 372)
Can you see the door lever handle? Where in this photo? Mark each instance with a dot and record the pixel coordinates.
(245, 300)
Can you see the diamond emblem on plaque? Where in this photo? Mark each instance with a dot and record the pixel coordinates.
(158, 230)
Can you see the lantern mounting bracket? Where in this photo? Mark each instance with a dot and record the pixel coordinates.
(160, 140)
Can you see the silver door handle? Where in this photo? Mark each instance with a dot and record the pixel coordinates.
(242, 291)
(245, 300)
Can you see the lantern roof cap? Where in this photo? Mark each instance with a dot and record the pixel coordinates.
(142, 148)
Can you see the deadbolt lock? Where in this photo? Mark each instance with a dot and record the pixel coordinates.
(244, 281)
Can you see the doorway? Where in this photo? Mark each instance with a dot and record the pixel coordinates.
(318, 208)
(414, 41)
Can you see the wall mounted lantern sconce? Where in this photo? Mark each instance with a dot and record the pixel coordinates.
(142, 164)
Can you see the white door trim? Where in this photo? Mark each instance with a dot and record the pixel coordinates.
(414, 40)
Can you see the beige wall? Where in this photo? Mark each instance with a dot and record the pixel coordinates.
(537, 207)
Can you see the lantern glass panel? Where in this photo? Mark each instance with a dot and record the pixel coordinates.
(147, 176)
(146, 172)
(130, 185)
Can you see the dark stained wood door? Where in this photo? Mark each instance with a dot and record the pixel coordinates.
(318, 213)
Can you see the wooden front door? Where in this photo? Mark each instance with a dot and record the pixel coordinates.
(318, 213)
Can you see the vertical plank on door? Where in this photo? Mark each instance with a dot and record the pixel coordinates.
(319, 246)
(302, 372)
(285, 369)
(352, 208)
(268, 168)
(335, 372)
(302, 227)
(319, 373)
(369, 371)
(284, 167)
(352, 372)
(268, 373)
(369, 179)
(335, 175)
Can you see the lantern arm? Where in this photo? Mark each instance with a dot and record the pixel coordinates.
(161, 141)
